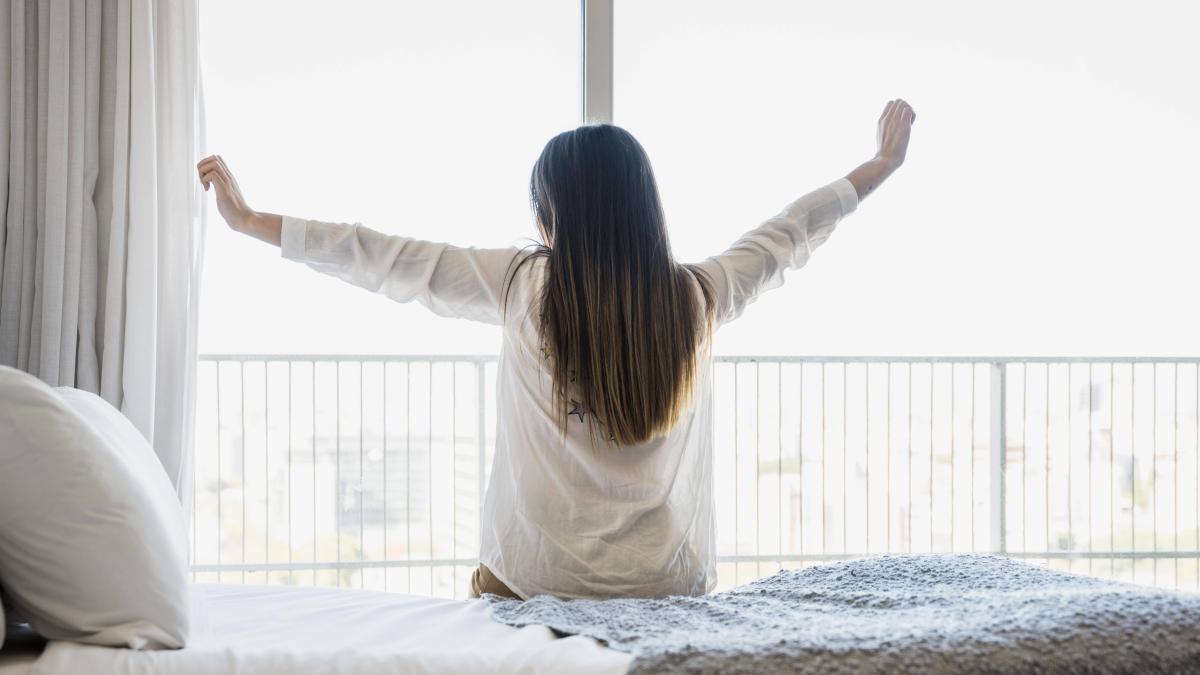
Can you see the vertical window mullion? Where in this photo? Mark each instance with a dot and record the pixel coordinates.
(596, 60)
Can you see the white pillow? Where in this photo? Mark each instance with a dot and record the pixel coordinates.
(93, 544)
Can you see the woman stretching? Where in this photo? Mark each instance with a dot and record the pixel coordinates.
(602, 481)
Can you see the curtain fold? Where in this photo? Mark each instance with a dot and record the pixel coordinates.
(100, 223)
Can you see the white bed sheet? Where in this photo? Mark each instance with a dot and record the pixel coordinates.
(270, 630)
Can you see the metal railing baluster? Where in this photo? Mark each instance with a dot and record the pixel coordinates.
(757, 466)
(999, 456)
(242, 446)
(908, 473)
(361, 491)
(386, 515)
(737, 523)
(266, 464)
(220, 491)
(289, 469)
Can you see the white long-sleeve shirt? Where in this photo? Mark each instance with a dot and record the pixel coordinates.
(561, 517)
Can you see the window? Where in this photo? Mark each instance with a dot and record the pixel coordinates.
(1041, 209)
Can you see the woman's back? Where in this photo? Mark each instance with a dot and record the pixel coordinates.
(572, 517)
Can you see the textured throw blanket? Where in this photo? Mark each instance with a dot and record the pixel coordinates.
(894, 614)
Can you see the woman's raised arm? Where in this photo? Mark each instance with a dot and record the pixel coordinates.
(452, 281)
(758, 261)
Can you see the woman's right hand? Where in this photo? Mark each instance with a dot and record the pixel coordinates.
(895, 125)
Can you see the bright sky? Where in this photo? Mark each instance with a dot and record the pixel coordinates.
(1044, 208)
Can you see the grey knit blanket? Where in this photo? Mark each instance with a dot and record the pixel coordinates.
(893, 614)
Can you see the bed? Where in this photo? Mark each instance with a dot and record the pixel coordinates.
(269, 630)
(882, 614)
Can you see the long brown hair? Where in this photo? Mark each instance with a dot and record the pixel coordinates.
(619, 319)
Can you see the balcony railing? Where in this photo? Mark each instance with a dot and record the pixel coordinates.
(369, 471)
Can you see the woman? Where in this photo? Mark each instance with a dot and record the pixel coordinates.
(602, 481)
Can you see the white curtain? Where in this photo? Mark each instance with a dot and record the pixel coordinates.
(100, 223)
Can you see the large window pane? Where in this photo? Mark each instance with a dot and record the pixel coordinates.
(415, 118)
(1044, 207)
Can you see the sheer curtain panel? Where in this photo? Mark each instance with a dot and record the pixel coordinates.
(100, 223)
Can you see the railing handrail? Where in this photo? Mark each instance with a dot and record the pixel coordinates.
(744, 558)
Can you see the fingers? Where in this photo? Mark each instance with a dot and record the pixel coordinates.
(209, 178)
(898, 110)
(205, 167)
(212, 161)
(213, 168)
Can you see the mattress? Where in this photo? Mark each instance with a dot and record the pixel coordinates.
(268, 630)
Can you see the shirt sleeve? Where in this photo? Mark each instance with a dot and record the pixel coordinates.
(451, 281)
(757, 261)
